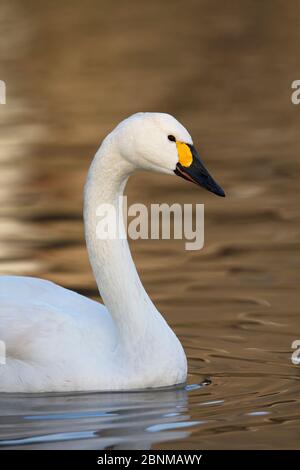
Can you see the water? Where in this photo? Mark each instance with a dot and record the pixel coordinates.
(72, 73)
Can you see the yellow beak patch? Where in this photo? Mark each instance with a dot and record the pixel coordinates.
(185, 156)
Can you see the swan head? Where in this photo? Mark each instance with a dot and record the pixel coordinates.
(158, 142)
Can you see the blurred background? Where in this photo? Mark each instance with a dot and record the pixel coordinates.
(73, 70)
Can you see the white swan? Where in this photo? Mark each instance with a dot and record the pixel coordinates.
(57, 340)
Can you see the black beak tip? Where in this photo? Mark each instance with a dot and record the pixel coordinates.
(200, 176)
(220, 192)
(213, 187)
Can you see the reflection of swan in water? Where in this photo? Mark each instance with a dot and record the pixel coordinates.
(133, 420)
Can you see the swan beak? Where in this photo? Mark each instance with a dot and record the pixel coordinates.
(192, 169)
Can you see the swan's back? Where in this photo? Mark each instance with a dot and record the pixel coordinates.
(45, 325)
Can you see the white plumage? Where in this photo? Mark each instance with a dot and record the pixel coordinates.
(58, 340)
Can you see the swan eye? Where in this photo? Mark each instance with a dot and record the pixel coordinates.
(171, 138)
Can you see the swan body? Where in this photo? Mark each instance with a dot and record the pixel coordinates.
(57, 340)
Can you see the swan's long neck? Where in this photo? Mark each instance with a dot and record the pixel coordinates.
(111, 261)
